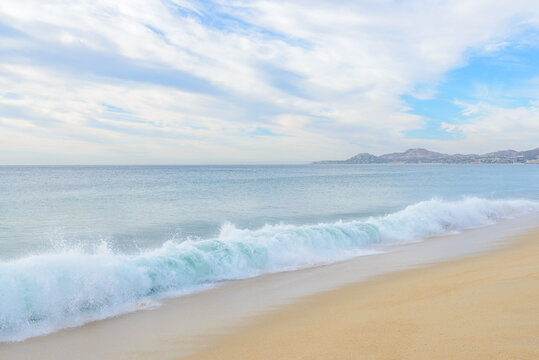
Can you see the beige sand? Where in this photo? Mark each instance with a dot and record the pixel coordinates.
(485, 307)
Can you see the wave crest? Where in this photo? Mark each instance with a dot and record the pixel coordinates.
(42, 293)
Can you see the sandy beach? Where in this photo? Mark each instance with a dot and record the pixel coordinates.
(485, 307)
(472, 295)
(284, 180)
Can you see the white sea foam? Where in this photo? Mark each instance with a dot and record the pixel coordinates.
(42, 293)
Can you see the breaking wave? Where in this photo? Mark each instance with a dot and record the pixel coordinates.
(43, 293)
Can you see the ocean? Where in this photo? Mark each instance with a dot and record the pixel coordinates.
(82, 243)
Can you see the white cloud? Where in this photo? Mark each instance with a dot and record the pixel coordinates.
(325, 74)
(496, 127)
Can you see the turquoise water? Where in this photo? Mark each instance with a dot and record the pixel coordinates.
(84, 243)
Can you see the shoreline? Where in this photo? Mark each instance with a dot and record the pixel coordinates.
(481, 307)
(184, 326)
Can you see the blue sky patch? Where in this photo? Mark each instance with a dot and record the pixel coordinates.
(11, 96)
(6, 31)
(504, 78)
(260, 131)
(155, 30)
(219, 17)
(115, 109)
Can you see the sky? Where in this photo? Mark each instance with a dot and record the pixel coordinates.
(243, 82)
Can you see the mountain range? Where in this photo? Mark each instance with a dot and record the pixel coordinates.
(424, 156)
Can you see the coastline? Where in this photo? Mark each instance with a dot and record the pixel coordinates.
(211, 320)
(484, 307)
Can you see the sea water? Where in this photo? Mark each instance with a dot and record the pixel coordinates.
(79, 243)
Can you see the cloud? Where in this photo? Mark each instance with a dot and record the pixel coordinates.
(448, 127)
(517, 127)
(192, 78)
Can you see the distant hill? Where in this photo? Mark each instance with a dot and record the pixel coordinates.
(424, 156)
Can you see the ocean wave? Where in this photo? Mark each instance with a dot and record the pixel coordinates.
(43, 293)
